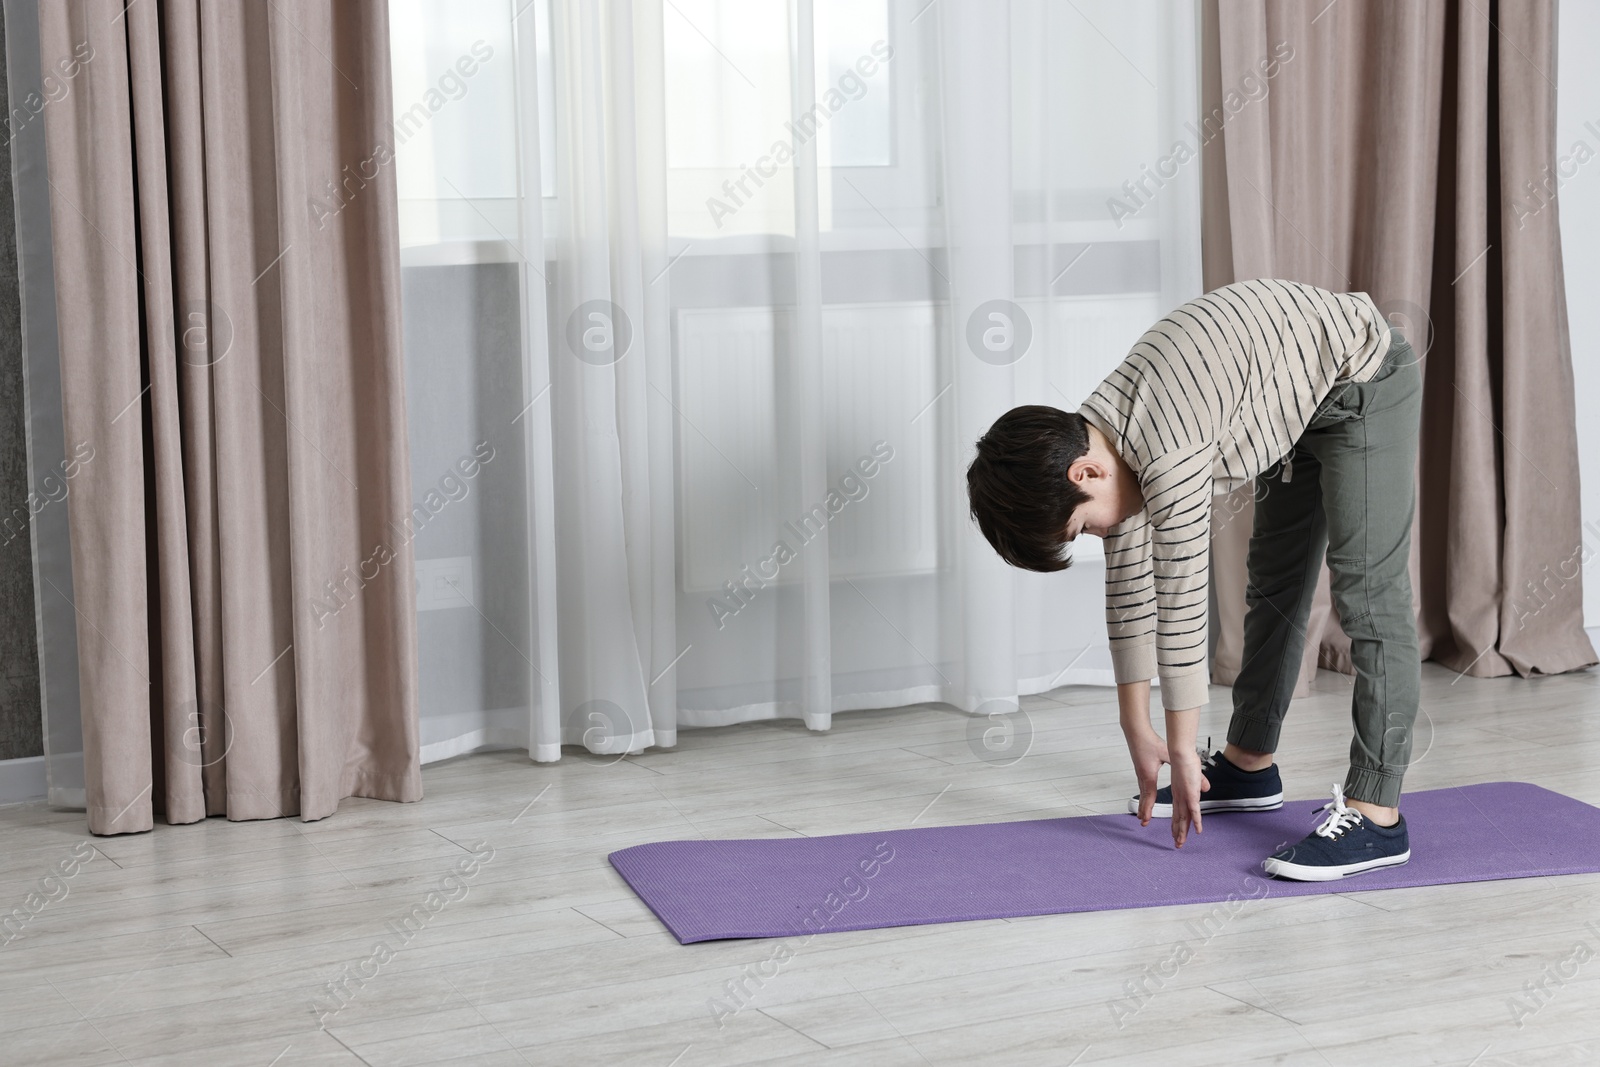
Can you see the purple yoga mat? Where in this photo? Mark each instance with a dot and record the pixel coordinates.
(778, 887)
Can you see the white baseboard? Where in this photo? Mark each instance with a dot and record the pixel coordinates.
(22, 779)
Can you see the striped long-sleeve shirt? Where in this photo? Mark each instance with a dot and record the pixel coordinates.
(1214, 393)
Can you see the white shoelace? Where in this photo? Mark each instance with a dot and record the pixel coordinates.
(1206, 758)
(1340, 818)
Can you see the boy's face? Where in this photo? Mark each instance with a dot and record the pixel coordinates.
(1112, 489)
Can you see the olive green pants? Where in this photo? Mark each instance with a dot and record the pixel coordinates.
(1347, 488)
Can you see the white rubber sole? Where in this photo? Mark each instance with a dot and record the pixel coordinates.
(1164, 811)
(1302, 873)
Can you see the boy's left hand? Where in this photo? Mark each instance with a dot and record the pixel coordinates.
(1188, 782)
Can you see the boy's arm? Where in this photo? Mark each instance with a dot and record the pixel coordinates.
(1131, 601)
(1178, 499)
(1131, 628)
(1156, 562)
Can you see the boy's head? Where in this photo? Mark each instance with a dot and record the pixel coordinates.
(1041, 477)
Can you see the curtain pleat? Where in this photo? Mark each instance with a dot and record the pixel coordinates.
(978, 215)
(606, 358)
(807, 450)
(246, 601)
(536, 415)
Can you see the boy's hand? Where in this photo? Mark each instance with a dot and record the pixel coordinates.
(1149, 752)
(1188, 782)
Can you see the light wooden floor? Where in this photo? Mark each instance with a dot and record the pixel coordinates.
(206, 944)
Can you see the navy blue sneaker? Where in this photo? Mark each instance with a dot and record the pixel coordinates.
(1231, 789)
(1345, 844)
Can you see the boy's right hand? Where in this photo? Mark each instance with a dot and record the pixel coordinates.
(1149, 752)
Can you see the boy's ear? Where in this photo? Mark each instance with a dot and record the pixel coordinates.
(1082, 469)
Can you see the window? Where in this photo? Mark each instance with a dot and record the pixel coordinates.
(731, 127)
(455, 127)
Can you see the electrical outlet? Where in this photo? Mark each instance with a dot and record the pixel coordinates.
(445, 583)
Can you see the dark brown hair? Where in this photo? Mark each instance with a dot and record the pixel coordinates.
(1017, 485)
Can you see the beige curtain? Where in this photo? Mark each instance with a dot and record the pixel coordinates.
(1388, 155)
(227, 279)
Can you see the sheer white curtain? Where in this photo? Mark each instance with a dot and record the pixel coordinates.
(731, 288)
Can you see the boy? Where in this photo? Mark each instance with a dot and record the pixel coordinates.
(1314, 396)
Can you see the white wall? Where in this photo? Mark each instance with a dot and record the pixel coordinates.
(1578, 102)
